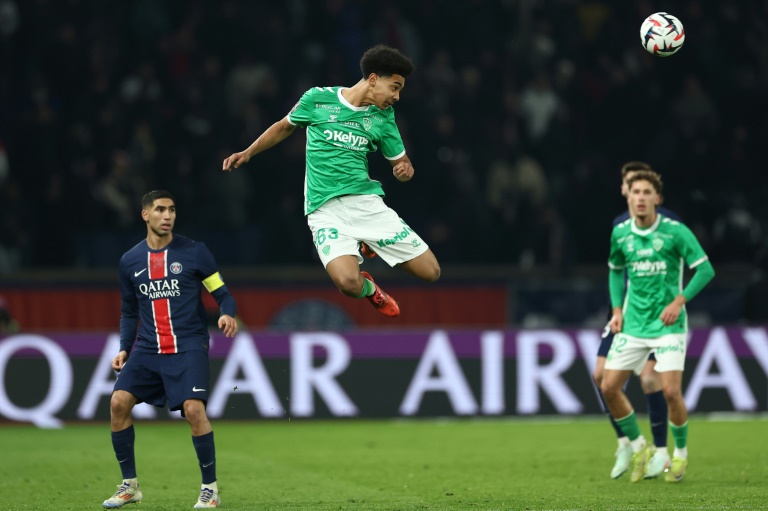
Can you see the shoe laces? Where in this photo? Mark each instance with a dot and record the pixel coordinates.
(124, 487)
(206, 495)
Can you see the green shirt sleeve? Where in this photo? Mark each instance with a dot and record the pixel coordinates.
(616, 287)
(301, 113)
(695, 257)
(704, 273)
(616, 262)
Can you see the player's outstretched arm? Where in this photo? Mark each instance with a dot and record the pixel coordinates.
(228, 325)
(275, 134)
(402, 169)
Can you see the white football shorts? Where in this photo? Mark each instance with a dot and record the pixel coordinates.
(630, 353)
(342, 222)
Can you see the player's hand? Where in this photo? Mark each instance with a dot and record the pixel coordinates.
(235, 160)
(228, 325)
(403, 171)
(617, 321)
(670, 313)
(119, 361)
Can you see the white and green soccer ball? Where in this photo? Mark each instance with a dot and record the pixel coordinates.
(662, 34)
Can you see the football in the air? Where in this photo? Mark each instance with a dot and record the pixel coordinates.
(662, 34)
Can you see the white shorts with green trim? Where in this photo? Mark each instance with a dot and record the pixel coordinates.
(339, 225)
(630, 353)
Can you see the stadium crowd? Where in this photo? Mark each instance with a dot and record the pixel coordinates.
(517, 119)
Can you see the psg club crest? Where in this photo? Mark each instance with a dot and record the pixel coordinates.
(176, 268)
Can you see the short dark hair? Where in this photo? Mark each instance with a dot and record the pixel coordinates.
(647, 175)
(150, 197)
(385, 61)
(634, 166)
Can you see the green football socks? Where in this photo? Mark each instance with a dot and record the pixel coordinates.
(629, 426)
(368, 288)
(680, 434)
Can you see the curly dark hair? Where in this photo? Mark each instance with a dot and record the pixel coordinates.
(385, 61)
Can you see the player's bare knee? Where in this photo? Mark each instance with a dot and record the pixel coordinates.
(194, 411)
(349, 285)
(609, 391)
(428, 272)
(650, 383)
(119, 405)
(673, 394)
(434, 273)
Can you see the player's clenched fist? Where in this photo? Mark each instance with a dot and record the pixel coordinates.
(403, 171)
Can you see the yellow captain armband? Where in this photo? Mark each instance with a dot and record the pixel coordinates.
(213, 282)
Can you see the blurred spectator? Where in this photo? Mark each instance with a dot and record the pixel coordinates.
(736, 234)
(121, 190)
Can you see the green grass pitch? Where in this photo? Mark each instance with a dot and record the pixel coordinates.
(458, 464)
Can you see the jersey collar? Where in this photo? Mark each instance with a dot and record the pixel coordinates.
(349, 105)
(649, 230)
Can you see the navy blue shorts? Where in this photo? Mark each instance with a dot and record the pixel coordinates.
(159, 379)
(605, 344)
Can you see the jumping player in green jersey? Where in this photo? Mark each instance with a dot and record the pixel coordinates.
(651, 318)
(344, 206)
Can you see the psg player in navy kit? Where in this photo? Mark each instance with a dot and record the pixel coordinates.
(161, 280)
(650, 380)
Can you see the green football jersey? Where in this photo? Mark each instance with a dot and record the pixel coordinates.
(339, 138)
(653, 258)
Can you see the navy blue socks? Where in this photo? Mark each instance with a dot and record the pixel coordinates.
(122, 442)
(206, 456)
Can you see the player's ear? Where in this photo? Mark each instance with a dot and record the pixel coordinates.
(372, 79)
(144, 214)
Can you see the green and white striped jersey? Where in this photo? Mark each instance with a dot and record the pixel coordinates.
(653, 258)
(339, 138)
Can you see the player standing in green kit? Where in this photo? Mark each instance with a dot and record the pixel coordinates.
(344, 206)
(652, 317)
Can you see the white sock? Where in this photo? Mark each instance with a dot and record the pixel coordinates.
(638, 444)
(213, 486)
(133, 482)
(623, 441)
(681, 453)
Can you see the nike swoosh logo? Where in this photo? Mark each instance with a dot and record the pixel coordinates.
(123, 461)
(208, 465)
(195, 389)
(137, 273)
